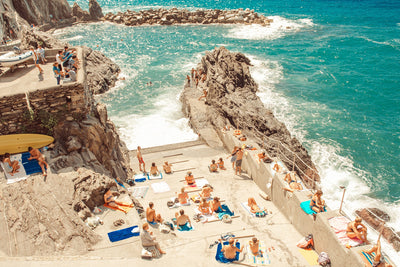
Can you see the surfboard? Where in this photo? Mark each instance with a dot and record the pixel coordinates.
(18, 143)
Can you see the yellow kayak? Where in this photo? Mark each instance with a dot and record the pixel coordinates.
(18, 143)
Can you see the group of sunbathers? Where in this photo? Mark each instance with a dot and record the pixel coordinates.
(167, 167)
(12, 166)
(68, 59)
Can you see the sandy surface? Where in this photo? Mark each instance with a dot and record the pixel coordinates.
(186, 248)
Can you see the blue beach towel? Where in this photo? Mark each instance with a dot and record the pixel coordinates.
(152, 223)
(185, 227)
(226, 211)
(305, 206)
(151, 177)
(119, 183)
(30, 166)
(123, 233)
(220, 255)
(141, 177)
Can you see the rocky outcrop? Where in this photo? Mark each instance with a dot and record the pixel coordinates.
(79, 13)
(374, 218)
(95, 10)
(10, 21)
(232, 100)
(102, 72)
(182, 16)
(33, 37)
(93, 143)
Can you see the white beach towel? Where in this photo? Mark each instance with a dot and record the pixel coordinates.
(260, 260)
(280, 163)
(201, 182)
(138, 192)
(20, 175)
(247, 208)
(160, 187)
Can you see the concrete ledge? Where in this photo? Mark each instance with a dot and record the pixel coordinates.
(289, 204)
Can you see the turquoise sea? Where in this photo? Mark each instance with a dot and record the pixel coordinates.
(329, 69)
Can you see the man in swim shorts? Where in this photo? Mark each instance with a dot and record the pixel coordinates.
(254, 246)
(231, 249)
(183, 197)
(182, 219)
(140, 159)
(239, 157)
(151, 215)
(35, 154)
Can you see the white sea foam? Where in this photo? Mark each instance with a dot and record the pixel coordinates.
(278, 28)
(77, 37)
(164, 125)
(335, 170)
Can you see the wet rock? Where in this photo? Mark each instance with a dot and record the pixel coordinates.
(232, 100)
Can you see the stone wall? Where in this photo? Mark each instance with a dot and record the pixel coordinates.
(49, 105)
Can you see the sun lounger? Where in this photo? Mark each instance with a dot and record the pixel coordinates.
(262, 259)
(339, 226)
(160, 187)
(305, 206)
(155, 177)
(219, 256)
(123, 233)
(141, 177)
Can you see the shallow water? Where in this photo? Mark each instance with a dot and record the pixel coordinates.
(329, 69)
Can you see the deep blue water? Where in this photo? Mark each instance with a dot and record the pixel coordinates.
(333, 78)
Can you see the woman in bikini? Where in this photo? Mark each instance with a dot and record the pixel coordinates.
(11, 166)
(316, 203)
(221, 164)
(290, 178)
(254, 208)
(204, 207)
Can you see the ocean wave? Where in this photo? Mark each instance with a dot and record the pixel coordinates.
(165, 115)
(77, 37)
(335, 170)
(277, 29)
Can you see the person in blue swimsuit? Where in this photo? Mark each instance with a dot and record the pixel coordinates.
(316, 203)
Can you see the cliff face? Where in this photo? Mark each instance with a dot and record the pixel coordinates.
(232, 100)
(9, 19)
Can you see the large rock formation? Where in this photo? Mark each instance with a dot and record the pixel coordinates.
(92, 142)
(102, 72)
(95, 10)
(79, 13)
(33, 37)
(15, 13)
(182, 16)
(232, 100)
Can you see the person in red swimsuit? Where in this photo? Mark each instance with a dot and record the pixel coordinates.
(140, 159)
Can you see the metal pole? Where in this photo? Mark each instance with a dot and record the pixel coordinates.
(341, 203)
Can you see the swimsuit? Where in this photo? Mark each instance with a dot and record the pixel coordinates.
(239, 163)
(141, 160)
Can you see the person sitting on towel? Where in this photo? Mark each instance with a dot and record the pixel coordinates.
(148, 240)
(316, 203)
(204, 207)
(167, 167)
(231, 249)
(263, 157)
(183, 197)
(151, 215)
(206, 191)
(154, 170)
(221, 164)
(182, 219)
(356, 229)
(35, 154)
(190, 179)
(254, 246)
(290, 178)
(13, 166)
(110, 201)
(216, 205)
(277, 167)
(379, 260)
(254, 208)
(213, 166)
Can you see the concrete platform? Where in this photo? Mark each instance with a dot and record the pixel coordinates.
(187, 248)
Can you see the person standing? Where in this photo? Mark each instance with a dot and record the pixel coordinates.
(41, 53)
(57, 72)
(58, 59)
(140, 159)
(239, 157)
(36, 59)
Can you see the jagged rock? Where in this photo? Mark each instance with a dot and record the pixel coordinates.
(79, 13)
(102, 72)
(101, 112)
(73, 144)
(232, 100)
(95, 10)
(374, 218)
(33, 37)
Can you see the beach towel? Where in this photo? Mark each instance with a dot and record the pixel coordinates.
(138, 192)
(160, 187)
(248, 209)
(201, 182)
(206, 218)
(368, 259)
(27, 167)
(124, 209)
(310, 255)
(152, 177)
(123, 233)
(262, 259)
(30, 166)
(185, 227)
(152, 223)
(226, 209)
(120, 184)
(305, 206)
(339, 226)
(19, 176)
(177, 205)
(141, 177)
(220, 255)
(280, 163)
